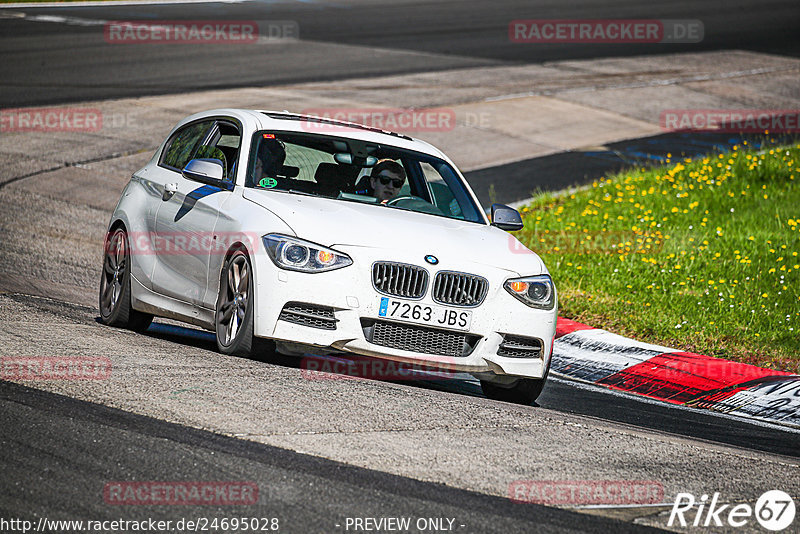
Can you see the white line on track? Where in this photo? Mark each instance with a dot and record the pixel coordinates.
(116, 3)
(71, 21)
(263, 38)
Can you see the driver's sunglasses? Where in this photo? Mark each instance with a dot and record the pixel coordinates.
(396, 183)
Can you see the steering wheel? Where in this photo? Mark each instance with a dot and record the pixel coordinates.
(414, 203)
(395, 200)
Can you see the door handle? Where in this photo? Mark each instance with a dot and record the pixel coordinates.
(169, 190)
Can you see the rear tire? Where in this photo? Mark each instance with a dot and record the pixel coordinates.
(115, 285)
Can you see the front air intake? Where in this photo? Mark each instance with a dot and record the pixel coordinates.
(311, 315)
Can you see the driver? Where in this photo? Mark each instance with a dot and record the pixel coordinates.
(386, 179)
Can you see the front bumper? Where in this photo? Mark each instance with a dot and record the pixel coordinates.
(354, 302)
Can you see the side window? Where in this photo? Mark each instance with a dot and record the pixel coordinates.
(182, 146)
(222, 145)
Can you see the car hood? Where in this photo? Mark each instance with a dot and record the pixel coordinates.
(334, 223)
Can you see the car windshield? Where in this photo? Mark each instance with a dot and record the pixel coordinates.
(359, 171)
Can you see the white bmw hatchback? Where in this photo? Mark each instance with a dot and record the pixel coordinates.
(316, 235)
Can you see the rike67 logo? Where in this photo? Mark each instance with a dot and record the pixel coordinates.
(774, 510)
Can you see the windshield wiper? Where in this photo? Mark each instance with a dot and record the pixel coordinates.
(305, 193)
(362, 199)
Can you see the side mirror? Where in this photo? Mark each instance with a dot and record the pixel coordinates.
(206, 170)
(506, 218)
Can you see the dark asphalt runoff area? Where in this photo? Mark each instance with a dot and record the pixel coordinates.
(56, 62)
(58, 453)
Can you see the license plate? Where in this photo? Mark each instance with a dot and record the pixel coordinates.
(427, 314)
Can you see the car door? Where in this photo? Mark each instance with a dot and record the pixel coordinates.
(186, 218)
(154, 178)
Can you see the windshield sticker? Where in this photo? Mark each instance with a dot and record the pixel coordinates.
(268, 182)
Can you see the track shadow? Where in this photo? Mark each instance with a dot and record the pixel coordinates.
(345, 366)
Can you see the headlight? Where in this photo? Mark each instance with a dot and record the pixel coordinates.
(299, 255)
(535, 291)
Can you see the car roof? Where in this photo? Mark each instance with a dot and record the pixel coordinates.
(297, 122)
(333, 124)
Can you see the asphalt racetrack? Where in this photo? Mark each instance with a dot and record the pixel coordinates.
(323, 453)
(68, 60)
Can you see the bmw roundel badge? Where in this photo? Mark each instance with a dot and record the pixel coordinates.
(430, 258)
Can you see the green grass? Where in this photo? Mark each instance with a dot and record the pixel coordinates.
(701, 255)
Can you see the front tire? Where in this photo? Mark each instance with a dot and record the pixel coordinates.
(524, 391)
(234, 311)
(115, 286)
